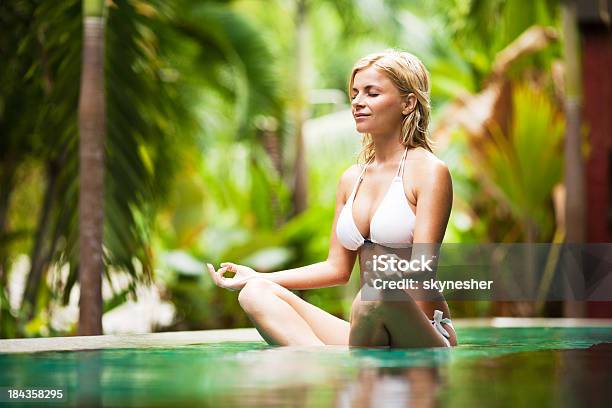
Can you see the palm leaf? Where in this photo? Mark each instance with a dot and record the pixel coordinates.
(235, 54)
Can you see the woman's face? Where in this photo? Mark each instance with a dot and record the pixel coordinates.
(376, 103)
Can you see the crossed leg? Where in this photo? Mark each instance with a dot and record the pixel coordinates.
(283, 318)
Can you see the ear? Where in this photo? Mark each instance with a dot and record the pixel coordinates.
(409, 103)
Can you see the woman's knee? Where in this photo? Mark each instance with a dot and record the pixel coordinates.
(367, 324)
(254, 292)
(365, 309)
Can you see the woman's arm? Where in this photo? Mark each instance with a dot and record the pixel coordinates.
(434, 195)
(335, 270)
(318, 275)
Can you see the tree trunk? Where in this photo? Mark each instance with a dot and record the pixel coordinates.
(92, 130)
(574, 168)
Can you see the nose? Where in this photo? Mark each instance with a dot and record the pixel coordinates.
(356, 101)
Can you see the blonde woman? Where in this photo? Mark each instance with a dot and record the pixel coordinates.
(401, 194)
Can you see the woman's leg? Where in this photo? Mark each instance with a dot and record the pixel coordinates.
(283, 318)
(399, 324)
(367, 324)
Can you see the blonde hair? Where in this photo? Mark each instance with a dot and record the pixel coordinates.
(409, 75)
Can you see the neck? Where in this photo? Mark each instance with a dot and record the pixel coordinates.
(387, 147)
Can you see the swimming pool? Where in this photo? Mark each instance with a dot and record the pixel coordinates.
(535, 366)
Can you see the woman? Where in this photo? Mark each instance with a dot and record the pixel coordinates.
(401, 195)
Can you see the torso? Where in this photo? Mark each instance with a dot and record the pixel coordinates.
(374, 186)
(371, 192)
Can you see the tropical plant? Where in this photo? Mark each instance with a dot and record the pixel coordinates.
(38, 104)
(523, 167)
(151, 122)
(204, 102)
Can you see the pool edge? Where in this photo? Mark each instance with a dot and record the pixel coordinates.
(165, 339)
(184, 338)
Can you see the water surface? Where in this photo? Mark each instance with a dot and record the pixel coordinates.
(491, 367)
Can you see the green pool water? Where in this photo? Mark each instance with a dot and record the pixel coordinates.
(512, 367)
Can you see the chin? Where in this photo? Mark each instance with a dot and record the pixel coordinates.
(361, 128)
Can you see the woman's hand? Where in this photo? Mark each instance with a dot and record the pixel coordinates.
(236, 282)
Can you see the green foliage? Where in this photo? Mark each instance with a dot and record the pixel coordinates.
(232, 56)
(38, 103)
(483, 28)
(151, 121)
(187, 167)
(523, 167)
(143, 134)
(93, 7)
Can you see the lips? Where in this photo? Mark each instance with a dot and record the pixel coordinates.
(360, 115)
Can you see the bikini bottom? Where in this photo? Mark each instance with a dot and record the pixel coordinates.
(437, 324)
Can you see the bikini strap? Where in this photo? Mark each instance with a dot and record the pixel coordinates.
(400, 169)
(358, 181)
(365, 166)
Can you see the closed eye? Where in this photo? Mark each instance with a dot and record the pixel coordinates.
(373, 95)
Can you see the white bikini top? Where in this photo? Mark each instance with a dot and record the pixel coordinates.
(393, 221)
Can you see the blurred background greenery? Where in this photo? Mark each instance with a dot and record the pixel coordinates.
(228, 128)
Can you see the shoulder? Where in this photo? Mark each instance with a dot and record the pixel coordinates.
(351, 174)
(428, 166)
(430, 172)
(348, 180)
